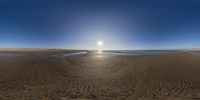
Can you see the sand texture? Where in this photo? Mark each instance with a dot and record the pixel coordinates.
(173, 76)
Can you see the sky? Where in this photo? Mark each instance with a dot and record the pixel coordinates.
(80, 24)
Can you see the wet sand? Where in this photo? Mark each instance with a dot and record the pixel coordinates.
(174, 76)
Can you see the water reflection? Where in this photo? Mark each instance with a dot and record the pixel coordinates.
(101, 54)
(195, 53)
(8, 55)
(137, 52)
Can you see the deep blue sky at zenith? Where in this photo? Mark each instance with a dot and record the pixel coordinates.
(79, 24)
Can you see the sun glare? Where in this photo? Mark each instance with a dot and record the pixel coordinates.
(100, 43)
(99, 51)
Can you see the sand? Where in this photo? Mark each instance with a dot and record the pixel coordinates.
(174, 76)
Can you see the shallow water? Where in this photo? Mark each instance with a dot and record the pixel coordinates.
(195, 53)
(12, 56)
(74, 54)
(138, 52)
(7, 55)
(69, 54)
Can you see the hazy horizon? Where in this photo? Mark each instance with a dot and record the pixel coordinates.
(28, 49)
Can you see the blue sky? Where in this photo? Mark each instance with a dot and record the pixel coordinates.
(120, 24)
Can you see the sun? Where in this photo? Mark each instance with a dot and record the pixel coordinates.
(100, 43)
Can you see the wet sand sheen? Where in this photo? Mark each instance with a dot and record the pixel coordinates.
(167, 76)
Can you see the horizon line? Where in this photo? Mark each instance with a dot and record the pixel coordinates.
(43, 49)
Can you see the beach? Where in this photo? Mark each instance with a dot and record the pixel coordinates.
(91, 76)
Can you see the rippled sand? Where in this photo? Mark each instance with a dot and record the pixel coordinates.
(93, 76)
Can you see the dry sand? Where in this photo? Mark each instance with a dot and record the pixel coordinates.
(166, 77)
